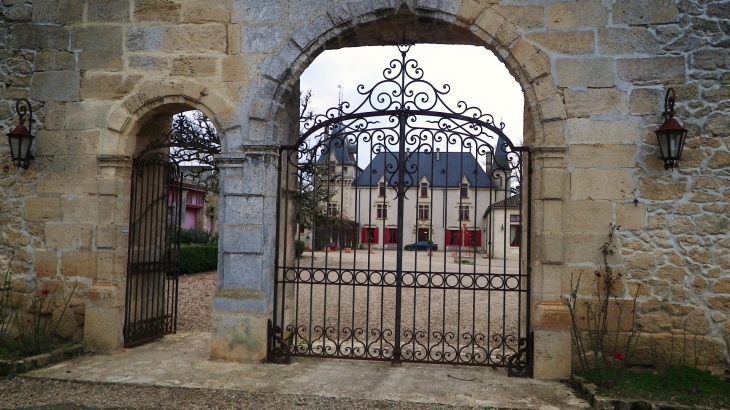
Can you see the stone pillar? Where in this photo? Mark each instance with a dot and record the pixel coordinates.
(550, 319)
(104, 318)
(243, 302)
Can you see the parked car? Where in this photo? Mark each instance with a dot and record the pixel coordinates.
(421, 246)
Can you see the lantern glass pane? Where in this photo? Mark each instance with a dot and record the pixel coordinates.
(25, 142)
(14, 147)
(663, 143)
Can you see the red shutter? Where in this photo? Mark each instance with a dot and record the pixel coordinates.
(365, 235)
(477, 235)
(386, 237)
(448, 238)
(376, 235)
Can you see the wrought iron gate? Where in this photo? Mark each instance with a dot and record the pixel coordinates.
(374, 189)
(154, 224)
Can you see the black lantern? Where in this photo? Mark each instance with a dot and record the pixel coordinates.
(20, 137)
(671, 134)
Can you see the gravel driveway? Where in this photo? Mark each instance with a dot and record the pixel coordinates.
(195, 302)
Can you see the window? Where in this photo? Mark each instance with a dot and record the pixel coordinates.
(333, 209)
(515, 229)
(301, 228)
(382, 212)
(381, 192)
(391, 236)
(463, 212)
(424, 190)
(344, 170)
(424, 212)
(369, 235)
(332, 167)
(465, 191)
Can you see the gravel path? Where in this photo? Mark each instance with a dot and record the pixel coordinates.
(27, 393)
(195, 302)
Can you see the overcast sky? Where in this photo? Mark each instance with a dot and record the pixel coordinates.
(475, 75)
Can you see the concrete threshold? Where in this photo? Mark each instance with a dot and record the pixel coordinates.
(182, 360)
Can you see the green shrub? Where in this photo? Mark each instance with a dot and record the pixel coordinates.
(197, 236)
(198, 258)
(298, 248)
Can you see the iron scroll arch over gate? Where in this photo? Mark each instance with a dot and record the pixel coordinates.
(158, 174)
(367, 184)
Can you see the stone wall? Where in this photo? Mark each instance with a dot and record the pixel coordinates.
(594, 75)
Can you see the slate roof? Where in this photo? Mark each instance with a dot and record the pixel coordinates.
(514, 201)
(344, 154)
(441, 169)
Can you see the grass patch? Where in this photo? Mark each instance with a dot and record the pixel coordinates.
(679, 384)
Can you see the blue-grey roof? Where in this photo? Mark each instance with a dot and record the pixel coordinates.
(441, 170)
(340, 146)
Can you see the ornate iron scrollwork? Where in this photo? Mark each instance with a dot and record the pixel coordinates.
(520, 363)
(279, 349)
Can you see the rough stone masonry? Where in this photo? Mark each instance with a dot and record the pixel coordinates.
(594, 74)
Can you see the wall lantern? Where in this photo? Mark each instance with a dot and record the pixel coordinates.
(671, 134)
(20, 137)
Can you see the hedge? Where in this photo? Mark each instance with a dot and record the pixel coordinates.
(198, 258)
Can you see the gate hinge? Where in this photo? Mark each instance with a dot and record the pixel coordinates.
(520, 363)
(279, 350)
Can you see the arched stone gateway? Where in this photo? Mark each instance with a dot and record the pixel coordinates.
(99, 76)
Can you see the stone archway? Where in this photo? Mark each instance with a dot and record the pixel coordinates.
(132, 123)
(243, 303)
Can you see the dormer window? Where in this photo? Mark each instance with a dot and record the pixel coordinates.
(381, 190)
(464, 190)
(424, 190)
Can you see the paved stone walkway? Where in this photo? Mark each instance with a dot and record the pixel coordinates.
(182, 361)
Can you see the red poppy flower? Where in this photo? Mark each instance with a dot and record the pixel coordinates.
(45, 292)
(618, 356)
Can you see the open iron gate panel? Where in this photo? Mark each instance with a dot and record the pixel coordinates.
(399, 167)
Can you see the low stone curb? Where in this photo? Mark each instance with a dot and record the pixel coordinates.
(13, 367)
(590, 392)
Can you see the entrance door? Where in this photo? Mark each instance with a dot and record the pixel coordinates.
(152, 267)
(400, 303)
(155, 220)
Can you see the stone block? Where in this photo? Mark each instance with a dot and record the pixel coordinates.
(552, 109)
(242, 210)
(552, 247)
(651, 188)
(79, 264)
(51, 60)
(522, 51)
(586, 131)
(87, 115)
(100, 60)
(69, 175)
(58, 11)
(562, 15)
(588, 216)
(103, 329)
(631, 216)
(107, 86)
(237, 69)
(76, 208)
(261, 39)
(616, 184)
(55, 86)
(156, 11)
(105, 11)
(537, 66)
(566, 42)
(470, 10)
(148, 63)
(553, 183)
(489, 21)
(552, 354)
(203, 11)
(68, 236)
(106, 38)
(603, 156)
(45, 263)
(632, 40)
(105, 235)
(239, 336)
(67, 142)
(35, 37)
(644, 12)
(719, 125)
(523, 16)
(19, 13)
(195, 66)
(339, 13)
(655, 70)
(594, 72)
(594, 101)
(256, 10)
(645, 101)
(191, 38)
(41, 209)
